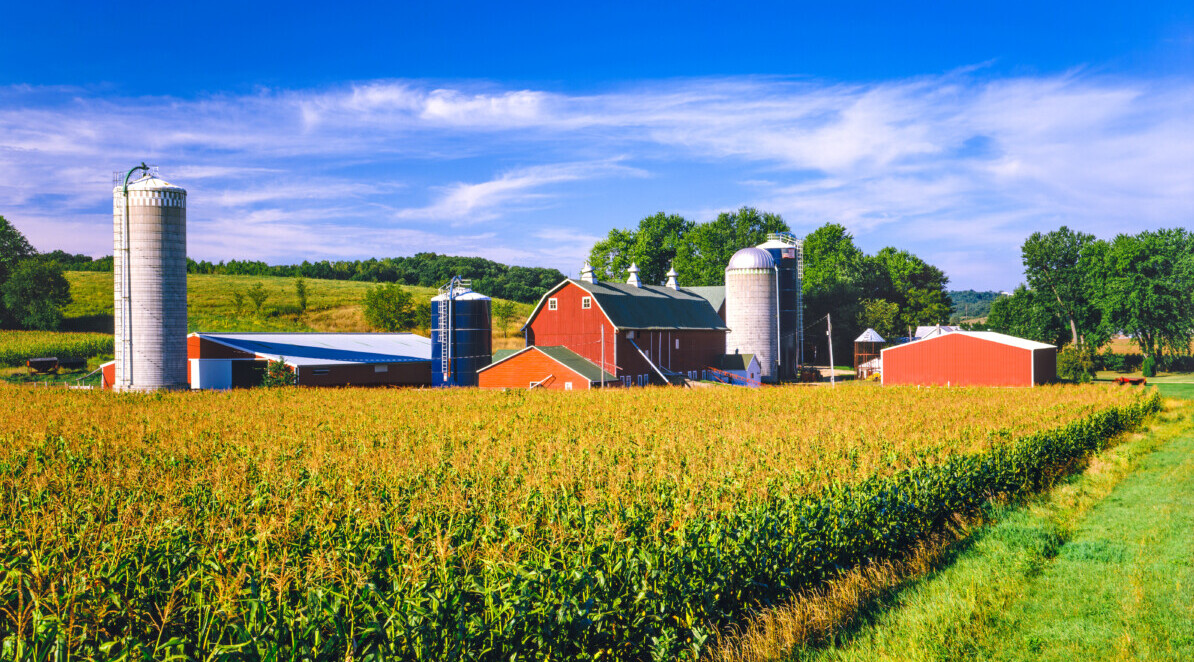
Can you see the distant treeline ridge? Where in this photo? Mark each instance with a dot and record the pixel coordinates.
(525, 284)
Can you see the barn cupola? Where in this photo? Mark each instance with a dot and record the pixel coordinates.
(634, 279)
(586, 273)
(671, 278)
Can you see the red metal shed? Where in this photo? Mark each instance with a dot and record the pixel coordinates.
(555, 368)
(970, 358)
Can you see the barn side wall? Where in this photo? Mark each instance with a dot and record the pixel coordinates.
(412, 373)
(199, 347)
(957, 360)
(1045, 365)
(697, 350)
(527, 368)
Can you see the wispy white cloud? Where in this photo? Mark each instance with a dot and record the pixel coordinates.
(517, 188)
(957, 167)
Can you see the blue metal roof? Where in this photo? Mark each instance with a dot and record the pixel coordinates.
(329, 348)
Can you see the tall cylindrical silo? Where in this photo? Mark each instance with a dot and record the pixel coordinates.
(784, 249)
(752, 308)
(150, 285)
(461, 336)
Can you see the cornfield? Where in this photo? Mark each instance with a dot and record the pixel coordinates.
(419, 524)
(16, 346)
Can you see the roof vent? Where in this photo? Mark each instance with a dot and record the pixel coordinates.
(586, 273)
(671, 278)
(634, 279)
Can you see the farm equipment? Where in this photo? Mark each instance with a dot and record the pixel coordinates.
(1134, 381)
(42, 365)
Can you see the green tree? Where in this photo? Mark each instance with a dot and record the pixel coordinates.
(880, 315)
(34, 294)
(917, 287)
(1063, 264)
(257, 295)
(837, 276)
(300, 290)
(1028, 314)
(651, 246)
(14, 249)
(702, 257)
(504, 312)
(699, 251)
(1148, 281)
(390, 307)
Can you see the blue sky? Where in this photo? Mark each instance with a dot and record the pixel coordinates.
(524, 132)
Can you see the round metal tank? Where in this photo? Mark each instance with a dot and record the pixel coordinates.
(151, 345)
(456, 356)
(784, 254)
(751, 311)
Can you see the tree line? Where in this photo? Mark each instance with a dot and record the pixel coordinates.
(1080, 291)
(891, 291)
(523, 284)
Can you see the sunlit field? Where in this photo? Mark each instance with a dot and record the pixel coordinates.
(426, 524)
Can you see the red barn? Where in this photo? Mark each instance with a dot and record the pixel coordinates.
(970, 358)
(553, 368)
(641, 334)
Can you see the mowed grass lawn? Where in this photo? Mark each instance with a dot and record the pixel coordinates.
(1099, 569)
(332, 305)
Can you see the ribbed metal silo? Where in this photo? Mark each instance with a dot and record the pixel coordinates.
(786, 250)
(150, 284)
(752, 311)
(461, 335)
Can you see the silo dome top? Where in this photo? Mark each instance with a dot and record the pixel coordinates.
(751, 258)
(151, 183)
(463, 295)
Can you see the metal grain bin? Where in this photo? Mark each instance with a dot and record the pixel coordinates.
(461, 336)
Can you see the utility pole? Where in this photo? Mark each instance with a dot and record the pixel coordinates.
(829, 332)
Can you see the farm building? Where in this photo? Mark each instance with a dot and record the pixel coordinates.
(537, 366)
(970, 358)
(745, 367)
(228, 360)
(638, 333)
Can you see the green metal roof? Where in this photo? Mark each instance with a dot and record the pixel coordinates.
(499, 354)
(653, 307)
(576, 362)
(735, 361)
(714, 294)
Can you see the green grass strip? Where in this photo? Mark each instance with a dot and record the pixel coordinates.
(1098, 568)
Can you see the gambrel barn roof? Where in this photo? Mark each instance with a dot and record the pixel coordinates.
(649, 307)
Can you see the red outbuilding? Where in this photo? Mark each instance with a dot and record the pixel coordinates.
(970, 358)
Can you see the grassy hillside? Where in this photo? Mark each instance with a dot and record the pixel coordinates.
(332, 305)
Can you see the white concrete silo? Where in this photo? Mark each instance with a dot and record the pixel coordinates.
(150, 218)
(752, 311)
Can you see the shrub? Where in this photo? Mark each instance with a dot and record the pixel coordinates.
(1075, 364)
(1149, 367)
(300, 290)
(257, 295)
(278, 373)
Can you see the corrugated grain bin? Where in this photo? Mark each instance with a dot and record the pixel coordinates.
(970, 358)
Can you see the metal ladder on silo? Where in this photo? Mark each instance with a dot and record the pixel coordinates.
(444, 324)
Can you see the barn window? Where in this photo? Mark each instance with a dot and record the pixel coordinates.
(551, 304)
(381, 368)
(586, 303)
(319, 371)
(567, 386)
(677, 343)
